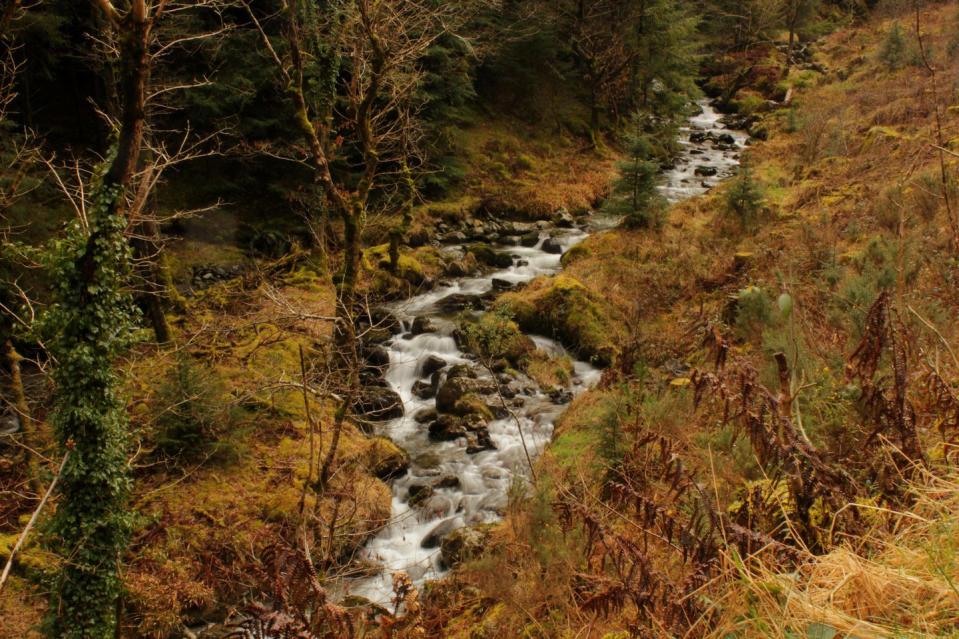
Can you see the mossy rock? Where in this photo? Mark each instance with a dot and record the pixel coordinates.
(473, 404)
(464, 544)
(486, 254)
(563, 307)
(574, 254)
(515, 348)
(386, 460)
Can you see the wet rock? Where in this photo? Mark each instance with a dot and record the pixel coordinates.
(458, 302)
(425, 415)
(386, 460)
(530, 239)
(423, 390)
(697, 137)
(449, 481)
(418, 493)
(448, 428)
(422, 325)
(378, 403)
(552, 245)
(560, 396)
(452, 391)
(435, 536)
(501, 284)
(480, 441)
(464, 544)
(376, 356)
(456, 237)
(428, 461)
(562, 219)
(725, 138)
(522, 263)
(432, 364)
(706, 171)
(489, 256)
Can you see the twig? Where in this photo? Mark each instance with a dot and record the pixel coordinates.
(33, 520)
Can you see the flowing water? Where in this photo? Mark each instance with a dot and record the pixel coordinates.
(473, 488)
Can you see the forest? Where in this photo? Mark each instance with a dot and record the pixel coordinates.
(479, 319)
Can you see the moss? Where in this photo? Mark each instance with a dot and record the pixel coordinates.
(562, 307)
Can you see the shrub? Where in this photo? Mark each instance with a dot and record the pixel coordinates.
(635, 195)
(193, 415)
(744, 199)
(894, 52)
(754, 311)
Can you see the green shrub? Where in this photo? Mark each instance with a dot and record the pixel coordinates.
(753, 311)
(744, 199)
(894, 51)
(194, 416)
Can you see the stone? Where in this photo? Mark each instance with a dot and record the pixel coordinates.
(378, 403)
(530, 239)
(418, 493)
(447, 428)
(552, 245)
(706, 171)
(425, 415)
(432, 364)
(464, 544)
(501, 284)
(452, 391)
(386, 460)
(423, 390)
(458, 302)
(449, 481)
(377, 356)
(440, 530)
(422, 325)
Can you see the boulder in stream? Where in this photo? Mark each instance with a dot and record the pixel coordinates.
(440, 530)
(529, 239)
(464, 544)
(552, 245)
(432, 364)
(423, 390)
(386, 460)
(378, 403)
(458, 302)
(422, 325)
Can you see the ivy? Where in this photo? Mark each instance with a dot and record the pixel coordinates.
(86, 328)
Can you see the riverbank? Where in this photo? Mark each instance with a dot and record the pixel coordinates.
(762, 288)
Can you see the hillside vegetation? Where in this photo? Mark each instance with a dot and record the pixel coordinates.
(772, 454)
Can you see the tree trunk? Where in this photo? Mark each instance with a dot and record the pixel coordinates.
(146, 247)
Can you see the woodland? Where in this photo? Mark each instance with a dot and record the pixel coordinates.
(479, 319)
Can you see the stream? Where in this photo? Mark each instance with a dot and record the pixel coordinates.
(465, 487)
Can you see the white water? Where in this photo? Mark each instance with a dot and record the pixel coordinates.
(485, 478)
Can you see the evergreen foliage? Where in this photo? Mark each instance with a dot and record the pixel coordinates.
(744, 199)
(894, 51)
(635, 196)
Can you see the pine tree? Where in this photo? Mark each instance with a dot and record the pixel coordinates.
(635, 196)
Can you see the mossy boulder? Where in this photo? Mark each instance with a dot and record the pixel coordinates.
(486, 254)
(563, 307)
(385, 459)
(464, 544)
(511, 344)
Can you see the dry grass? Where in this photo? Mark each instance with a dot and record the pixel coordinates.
(899, 580)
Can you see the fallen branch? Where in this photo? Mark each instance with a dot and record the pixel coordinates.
(33, 520)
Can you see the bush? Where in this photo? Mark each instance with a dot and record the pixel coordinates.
(193, 414)
(744, 199)
(894, 51)
(754, 311)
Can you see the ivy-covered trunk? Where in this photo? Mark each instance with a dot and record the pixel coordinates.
(88, 326)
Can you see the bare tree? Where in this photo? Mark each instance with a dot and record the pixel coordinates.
(366, 53)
